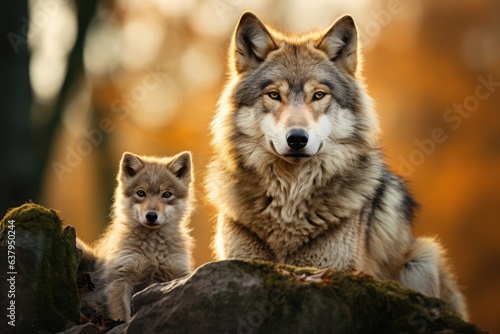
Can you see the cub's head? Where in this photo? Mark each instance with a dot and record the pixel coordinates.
(299, 97)
(154, 191)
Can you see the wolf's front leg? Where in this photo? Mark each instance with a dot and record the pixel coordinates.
(428, 272)
(119, 296)
(120, 274)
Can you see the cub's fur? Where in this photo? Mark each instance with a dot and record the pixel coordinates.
(148, 239)
(298, 176)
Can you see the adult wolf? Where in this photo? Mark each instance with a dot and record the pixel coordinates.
(298, 176)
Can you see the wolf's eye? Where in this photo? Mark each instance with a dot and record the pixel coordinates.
(318, 96)
(167, 194)
(274, 95)
(141, 193)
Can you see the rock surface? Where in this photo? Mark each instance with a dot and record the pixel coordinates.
(87, 328)
(252, 297)
(41, 268)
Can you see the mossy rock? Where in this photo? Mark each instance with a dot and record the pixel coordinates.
(253, 297)
(46, 260)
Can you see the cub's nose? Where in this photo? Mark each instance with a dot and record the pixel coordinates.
(151, 217)
(297, 138)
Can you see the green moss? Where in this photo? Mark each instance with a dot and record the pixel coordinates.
(361, 303)
(33, 218)
(46, 264)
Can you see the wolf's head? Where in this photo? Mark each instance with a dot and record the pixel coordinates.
(298, 97)
(153, 191)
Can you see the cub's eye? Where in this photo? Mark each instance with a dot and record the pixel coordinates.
(318, 96)
(167, 194)
(274, 95)
(141, 193)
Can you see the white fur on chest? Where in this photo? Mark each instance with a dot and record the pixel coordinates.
(152, 245)
(302, 205)
(289, 193)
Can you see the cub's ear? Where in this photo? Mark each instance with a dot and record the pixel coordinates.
(251, 43)
(130, 165)
(180, 166)
(340, 43)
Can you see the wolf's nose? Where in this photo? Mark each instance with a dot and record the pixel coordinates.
(151, 217)
(297, 139)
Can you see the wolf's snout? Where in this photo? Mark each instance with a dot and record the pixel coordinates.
(151, 217)
(297, 139)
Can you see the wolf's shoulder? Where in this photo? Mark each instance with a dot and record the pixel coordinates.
(393, 197)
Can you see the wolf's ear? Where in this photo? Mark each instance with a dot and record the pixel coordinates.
(130, 165)
(251, 43)
(340, 43)
(180, 166)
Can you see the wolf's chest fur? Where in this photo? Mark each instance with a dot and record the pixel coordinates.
(293, 208)
(156, 251)
(152, 244)
(146, 255)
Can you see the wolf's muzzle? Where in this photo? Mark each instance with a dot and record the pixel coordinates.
(297, 139)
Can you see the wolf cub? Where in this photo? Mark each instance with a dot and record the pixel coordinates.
(148, 239)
